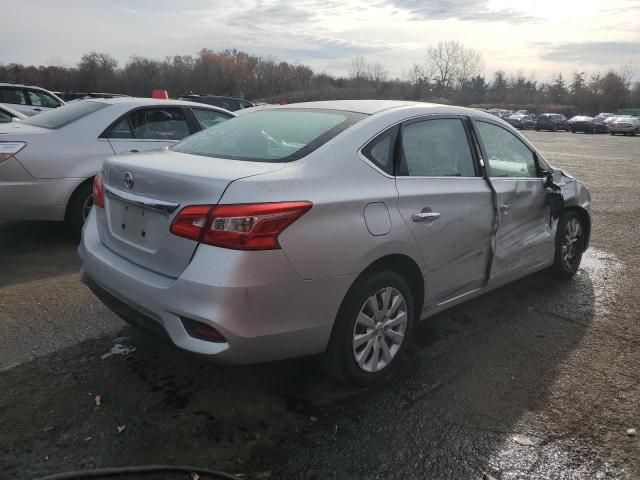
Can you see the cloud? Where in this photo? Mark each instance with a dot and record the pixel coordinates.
(601, 53)
(465, 10)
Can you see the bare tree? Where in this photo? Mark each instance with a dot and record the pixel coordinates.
(358, 69)
(376, 72)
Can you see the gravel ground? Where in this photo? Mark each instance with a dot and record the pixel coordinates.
(538, 379)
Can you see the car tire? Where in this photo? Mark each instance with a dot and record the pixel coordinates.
(573, 131)
(569, 245)
(364, 324)
(79, 207)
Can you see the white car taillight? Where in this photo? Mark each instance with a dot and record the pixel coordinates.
(9, 149)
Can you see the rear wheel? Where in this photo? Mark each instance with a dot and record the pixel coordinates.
(79, 207)
(372, 329)
(570, 242)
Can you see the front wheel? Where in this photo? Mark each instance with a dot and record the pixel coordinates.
(372, 329)
(569, 245)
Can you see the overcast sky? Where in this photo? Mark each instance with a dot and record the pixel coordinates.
(535, 36)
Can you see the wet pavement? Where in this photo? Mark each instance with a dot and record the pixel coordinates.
(539, 379)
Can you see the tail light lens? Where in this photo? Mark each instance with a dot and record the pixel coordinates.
(98, 192)
(9, 149)
(254, 226)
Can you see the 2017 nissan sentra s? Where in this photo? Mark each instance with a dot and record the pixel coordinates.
(326, 228)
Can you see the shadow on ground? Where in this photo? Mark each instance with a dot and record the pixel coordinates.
(470, 375)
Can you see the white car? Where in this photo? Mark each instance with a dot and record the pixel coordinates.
(27, 99)
(8, 115)
(48, 161)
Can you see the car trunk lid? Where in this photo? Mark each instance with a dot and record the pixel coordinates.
(144, 192)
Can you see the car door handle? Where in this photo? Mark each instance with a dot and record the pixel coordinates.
(425, 216)
(37, 109)
(506, 207)
(133, 151)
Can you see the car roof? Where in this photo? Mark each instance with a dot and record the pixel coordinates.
(144, 101)
(373, 107)
(21, 85)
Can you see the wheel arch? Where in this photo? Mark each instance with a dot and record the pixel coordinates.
(75, 192)
(403, 265)
(585, 218)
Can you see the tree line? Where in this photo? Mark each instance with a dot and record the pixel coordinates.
(450, 73)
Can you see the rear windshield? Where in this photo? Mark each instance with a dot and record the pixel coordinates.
(64, 115)
(278, 135)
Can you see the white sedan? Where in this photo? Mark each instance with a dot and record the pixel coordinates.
(48, 161)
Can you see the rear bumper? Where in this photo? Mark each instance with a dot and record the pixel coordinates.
(254, 299)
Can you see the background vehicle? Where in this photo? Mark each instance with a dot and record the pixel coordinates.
(48, 161)
(586, 124)
(228, 103)
(625, 126)
(390, 198)
(9, 114)
(28, 100)
(70, 96)
(521, 121)
(552, 122)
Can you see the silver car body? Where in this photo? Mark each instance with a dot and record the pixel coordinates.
(625, 125)
(282, 303)
(28, 99)
(37, 182)
(9, 114)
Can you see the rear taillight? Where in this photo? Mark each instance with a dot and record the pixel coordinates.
(98, 192)
(254, 226)
(9, 149)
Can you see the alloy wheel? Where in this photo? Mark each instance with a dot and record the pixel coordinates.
(379, 330)
(571, 243)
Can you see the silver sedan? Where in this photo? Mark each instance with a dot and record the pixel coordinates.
(47, 161)
(326, 228)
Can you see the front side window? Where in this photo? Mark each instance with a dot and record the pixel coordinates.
(507, 155)
(41, 99)
(159, 124)
(65, 114)
(275, 135)
(436, 148)
(5, 117)
(12, 95)
(209, 118)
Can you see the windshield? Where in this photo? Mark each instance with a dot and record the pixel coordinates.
(64, 115)
(278, 135)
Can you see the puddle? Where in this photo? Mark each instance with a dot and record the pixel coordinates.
(119, 348)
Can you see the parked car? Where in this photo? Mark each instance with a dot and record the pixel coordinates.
(500, 112)
(625, 126)
(27, 99)
(71, 96)
(552, 121)
(603, 116)
(47, 162)
(521, 121)
(586, 124)
(325, 228)
(228, 103)
(10, 115)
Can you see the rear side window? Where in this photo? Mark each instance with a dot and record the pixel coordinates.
(209, 118)
(65, 114)
(151, 124)
(436, 148)
(380, 150)
(12, 95)
(159, 124)
(41, 99)
(278, 135)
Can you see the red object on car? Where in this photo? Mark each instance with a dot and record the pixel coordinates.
(160, 94)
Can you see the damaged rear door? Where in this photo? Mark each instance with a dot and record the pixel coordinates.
(524, 239)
